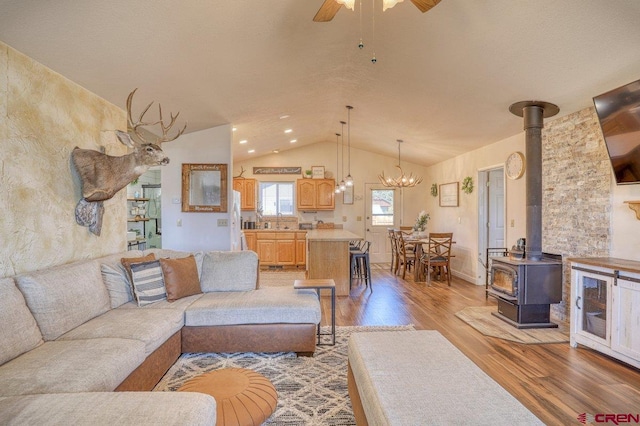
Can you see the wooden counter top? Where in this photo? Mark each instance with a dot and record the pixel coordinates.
(331, 235)
(608, 262)
(261, 230)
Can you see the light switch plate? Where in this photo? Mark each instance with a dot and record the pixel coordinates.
(223, 222)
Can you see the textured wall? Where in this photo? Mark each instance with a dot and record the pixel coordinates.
(43, 116)
(577, 184)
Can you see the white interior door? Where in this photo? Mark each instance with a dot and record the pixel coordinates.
(491, 215)
(382, 212)
(496, 208)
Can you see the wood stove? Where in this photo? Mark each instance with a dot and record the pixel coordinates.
(525, 289)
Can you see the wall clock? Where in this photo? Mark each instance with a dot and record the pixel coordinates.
(515, 165)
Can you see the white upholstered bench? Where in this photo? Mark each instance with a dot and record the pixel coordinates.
(420, 378)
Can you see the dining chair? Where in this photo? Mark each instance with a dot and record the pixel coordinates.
(437, 254)
(394, 250)
(406, 253)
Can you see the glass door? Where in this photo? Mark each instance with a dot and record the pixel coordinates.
(593, 306)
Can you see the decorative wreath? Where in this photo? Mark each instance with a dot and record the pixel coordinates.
(467, 185)
(434, 189)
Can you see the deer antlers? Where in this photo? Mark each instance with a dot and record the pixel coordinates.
(134, 126)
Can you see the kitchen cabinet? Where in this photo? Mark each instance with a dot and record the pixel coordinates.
(315, 194)
(605, 307)
(278, 247)
(250, 238)
(286, 252)
(247, 189)
(301, 248)
(266, 250)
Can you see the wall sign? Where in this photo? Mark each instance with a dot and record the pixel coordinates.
(277, 170)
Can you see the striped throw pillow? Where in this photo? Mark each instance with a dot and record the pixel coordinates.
(148, 284)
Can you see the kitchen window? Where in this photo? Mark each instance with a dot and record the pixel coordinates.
(276, 198)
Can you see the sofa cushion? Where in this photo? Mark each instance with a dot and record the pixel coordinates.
(181, 277)
(110, 408)
(63, 297)
(151, 326)
(175, 254)
(148, 285)
(263, 306)
(180, 304)
(92, 365)
(229, 271)
(116, 278)
(19, 332)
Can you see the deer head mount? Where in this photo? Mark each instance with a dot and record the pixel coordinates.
(102, 175)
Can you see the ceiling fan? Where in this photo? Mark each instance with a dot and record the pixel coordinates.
(330, 7)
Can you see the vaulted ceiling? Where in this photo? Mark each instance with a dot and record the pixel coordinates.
(443, 80)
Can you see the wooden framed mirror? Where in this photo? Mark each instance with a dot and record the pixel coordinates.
(204, 188)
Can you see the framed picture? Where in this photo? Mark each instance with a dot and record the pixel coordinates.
(347, 195)
(317, 172)
(449, 194)
(204, 188)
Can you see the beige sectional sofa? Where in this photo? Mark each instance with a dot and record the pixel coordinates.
(73, 334)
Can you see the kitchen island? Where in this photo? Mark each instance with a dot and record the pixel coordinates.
(328, 256)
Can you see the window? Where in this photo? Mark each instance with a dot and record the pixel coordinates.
(382, 207)
(276, 197)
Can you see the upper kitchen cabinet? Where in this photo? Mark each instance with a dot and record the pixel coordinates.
(247, 189)
(315, 194)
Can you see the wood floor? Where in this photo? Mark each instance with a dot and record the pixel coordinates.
(556, 382)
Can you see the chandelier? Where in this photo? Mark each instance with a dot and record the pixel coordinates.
(402, 181)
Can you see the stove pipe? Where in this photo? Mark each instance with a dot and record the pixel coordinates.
(533, 113)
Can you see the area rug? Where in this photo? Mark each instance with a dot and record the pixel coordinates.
(311, 390)
(481, 319)
(283, 278)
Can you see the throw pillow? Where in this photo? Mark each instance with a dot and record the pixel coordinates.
(127, 261)
(180, 277)
(118, 284)
(148, 285)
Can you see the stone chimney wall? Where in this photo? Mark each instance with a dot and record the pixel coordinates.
(576, 181)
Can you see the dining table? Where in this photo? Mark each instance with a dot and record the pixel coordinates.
(417, 243)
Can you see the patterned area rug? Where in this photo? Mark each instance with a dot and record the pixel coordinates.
(482, 320)
(311, 390)
(280, 278)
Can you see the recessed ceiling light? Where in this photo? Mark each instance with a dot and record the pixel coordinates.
(293, 140)
(251, 151)
(283, 116)
(243, 141)
(234, 129)
(288, 131)
(276, 151)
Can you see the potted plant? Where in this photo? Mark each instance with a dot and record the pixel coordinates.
(308, 174)
(421, 222)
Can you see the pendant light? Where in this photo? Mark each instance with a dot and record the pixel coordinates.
(337, 190)
(349, 179)
(343, 184)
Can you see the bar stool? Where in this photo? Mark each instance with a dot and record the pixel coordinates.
(360, 265)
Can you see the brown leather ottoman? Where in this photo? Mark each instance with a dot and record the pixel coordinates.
(243, 397)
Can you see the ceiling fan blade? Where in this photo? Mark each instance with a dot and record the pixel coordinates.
(425, 5)
(327, 11)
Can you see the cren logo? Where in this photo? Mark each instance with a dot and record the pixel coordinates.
(616, 419)
(585, 418)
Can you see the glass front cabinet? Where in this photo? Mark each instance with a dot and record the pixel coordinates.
(605, 310)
